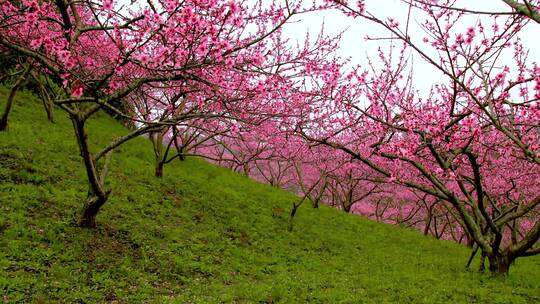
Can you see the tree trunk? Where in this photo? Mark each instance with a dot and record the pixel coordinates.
(473, 253)
(91, 209)
(499, 265)
(469, 241)
(320, 195)
(45, 97)
(429, 216)
(157, 143)
(11, 97)
(159, 168)
(482, 266)
(97, 196)
(291, 218)
(47, 103)
(49, 110)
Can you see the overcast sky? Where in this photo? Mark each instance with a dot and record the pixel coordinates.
(354, 44)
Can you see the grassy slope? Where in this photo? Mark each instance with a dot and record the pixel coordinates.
(203, 235)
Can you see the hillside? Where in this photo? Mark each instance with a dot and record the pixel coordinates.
(203, 234)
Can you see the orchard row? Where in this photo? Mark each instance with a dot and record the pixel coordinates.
(219, 79)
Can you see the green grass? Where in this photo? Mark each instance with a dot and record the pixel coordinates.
(203, 234)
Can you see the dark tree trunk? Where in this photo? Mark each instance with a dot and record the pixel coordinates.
(45, 97)
(47, 102)
(469, 241)
(482, 266)
(428, 221)
(157, 142)
(11, 98)
(159, 169)
(473, 253)
(499, 265)
(97, 196)
(49, 110)
(93, 204)
(291, 217)
(246, 169)
(426, 228)
(346, 206)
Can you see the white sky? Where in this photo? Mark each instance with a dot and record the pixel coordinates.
(355, 46)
